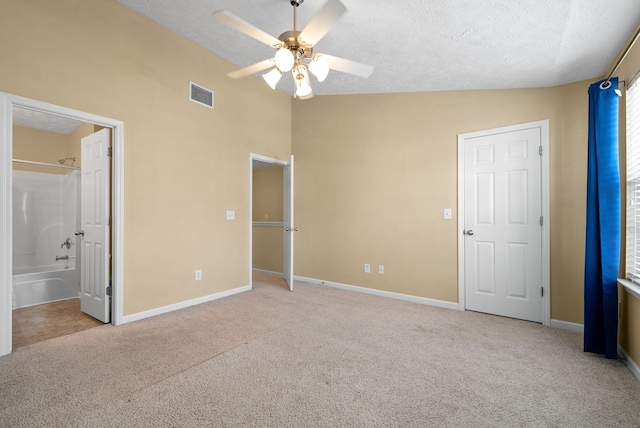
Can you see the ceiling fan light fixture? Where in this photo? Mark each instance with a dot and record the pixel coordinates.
(306, 97)
(303, 91)
(319, 67)
(301, 79)
(284, 59)
(273, 77)
(294, 49)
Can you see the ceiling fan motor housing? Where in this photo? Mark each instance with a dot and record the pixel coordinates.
(290, 40)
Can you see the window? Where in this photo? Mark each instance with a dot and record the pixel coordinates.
(633, 184)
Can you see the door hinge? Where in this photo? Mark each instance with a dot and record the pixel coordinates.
(108, 151)
(540, 150)
(109, 221)
(109, 291)
(542, 291)
(541, 220)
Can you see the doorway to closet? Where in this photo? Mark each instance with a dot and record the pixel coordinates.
(271, 226)
(503, 246)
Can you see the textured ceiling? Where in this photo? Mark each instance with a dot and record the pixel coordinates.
(44, 121)
(419, 46)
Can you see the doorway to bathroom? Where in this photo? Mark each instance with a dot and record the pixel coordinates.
(69, 259)
(47, 228)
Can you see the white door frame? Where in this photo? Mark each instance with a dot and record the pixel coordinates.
(7, 102)
(274, 162)
(543, 125)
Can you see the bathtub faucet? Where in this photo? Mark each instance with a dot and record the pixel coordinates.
(58, 258)
(66, 243)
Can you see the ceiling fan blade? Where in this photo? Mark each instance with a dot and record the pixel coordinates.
(321, 23)
(248, 29)
(252, 69)
(348, 66)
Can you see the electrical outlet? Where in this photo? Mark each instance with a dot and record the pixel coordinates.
(367, 268)
(266, 216)
(198, 274)
(231, 215)
(381, 269)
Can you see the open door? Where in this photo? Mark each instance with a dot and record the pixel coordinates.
(288, 225)
(94, 218)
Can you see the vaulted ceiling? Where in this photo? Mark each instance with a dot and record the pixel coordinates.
(418, 46)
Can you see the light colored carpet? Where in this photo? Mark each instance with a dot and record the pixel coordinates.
(317, 357)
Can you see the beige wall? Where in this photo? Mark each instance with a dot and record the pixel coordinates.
(267, 248)
(185, 165)
(568, 200)
(267, 207)
(268, 194)
(47, 147)
(374, 172)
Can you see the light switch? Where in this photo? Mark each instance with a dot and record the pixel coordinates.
(447, 213)
(231, 215)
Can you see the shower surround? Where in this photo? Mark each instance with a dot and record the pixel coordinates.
(45, 254)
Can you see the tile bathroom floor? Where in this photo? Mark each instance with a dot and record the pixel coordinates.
(34, 324)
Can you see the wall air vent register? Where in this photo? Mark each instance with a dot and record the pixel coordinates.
(200, 95)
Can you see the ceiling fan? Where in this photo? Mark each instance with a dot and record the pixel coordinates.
(295, 50)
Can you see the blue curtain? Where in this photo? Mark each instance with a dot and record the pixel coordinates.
(603, 223)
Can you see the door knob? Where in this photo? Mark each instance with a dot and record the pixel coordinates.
(80, 233)
(469, 232)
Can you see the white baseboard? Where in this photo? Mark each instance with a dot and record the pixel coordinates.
(389, 294)
(629, 362)
(565, 325)
(268, 272)
(176, 306)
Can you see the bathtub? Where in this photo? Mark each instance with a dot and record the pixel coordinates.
(35, 288)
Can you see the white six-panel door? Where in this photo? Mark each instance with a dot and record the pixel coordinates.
(94, 218)
(502, 230)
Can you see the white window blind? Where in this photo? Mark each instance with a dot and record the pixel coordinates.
(633, 184)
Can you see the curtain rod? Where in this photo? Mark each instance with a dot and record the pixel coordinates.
(624, 55)
(44, 164)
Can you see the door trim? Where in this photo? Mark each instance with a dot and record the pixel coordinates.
(543, 125)
(264, 159)
(7, 102)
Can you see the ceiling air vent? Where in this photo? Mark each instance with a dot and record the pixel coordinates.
(201, 95)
